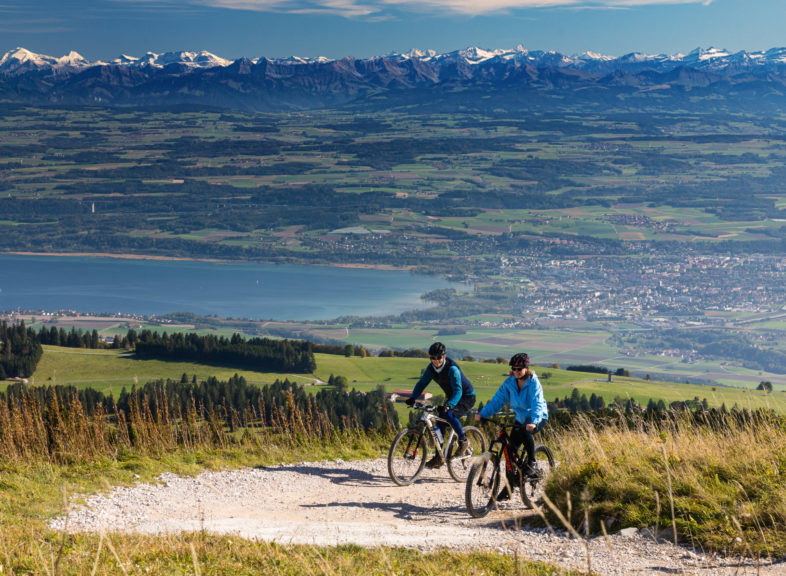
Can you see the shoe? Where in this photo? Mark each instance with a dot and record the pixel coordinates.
(530, 470)
(463, 448)
(503, 495)
(435, 462)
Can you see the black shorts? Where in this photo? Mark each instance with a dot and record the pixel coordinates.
(464, 405)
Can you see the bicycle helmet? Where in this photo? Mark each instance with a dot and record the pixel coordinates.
(520, 360)
(437, 349)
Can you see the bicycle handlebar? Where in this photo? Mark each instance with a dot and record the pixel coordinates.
(423, 406)
(501, 423)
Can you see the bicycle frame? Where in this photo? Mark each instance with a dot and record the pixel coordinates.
(407, 454)
(503, 441)
(429, 420)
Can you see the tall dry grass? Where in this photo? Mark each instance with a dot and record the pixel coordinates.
(64, 434)
(718, 485)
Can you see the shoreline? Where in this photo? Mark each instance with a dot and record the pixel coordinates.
(126, 256)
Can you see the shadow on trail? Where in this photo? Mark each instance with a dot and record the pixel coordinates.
(400, 510)
(352, 477)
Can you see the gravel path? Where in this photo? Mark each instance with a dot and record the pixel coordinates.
(330, 503)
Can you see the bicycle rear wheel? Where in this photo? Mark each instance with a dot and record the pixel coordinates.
(407, 456)
(532, 486)
(459, 466)
(483, 483)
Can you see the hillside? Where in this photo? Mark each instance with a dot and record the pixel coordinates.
(110, 371)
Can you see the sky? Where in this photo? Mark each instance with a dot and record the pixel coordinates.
(105, 29)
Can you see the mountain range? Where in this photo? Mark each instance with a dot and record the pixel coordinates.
(473, 77)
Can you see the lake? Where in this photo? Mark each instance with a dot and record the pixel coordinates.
(238, 290)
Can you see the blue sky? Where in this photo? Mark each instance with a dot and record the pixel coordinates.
(104, 29)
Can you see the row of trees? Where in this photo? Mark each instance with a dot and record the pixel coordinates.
(20, 350)
(578, 402)
(73, 338)
(262, 354)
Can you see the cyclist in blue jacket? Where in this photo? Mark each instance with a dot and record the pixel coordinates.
(522, 390)
(459, 396)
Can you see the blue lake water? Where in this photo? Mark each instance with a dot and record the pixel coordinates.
(255, 291)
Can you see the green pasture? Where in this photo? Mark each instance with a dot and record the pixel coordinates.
(109, 371)
(402, 373)
(112, 370)
(642, 390)
(543, 346)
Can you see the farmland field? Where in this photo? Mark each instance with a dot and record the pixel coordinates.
(632, 234)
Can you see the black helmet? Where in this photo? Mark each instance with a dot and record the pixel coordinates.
(520, 360)
(437, 349)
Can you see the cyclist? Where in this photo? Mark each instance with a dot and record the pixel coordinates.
(522, 390)
(459, 396)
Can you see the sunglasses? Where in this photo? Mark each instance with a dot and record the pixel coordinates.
(518, 368)
(435, 357)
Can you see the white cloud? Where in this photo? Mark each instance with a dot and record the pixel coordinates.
(348, 8)
(355, 8)
(490, 6)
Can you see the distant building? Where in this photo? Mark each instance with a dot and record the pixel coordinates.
(402, 395)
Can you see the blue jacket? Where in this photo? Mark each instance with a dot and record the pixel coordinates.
(528, 403)
(451, 379)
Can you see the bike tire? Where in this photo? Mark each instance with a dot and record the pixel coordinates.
(407, 456)
(483, 482)
(531, 488)
(459, 466)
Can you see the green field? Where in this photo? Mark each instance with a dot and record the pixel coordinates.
(110, 371)
(113, 370)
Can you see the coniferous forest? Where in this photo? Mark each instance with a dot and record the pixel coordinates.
(262, 354)
(20, 350)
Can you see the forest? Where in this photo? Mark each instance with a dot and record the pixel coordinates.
(20, 350)
(263, 354)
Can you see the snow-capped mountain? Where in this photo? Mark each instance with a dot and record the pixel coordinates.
(201, 59)
(516, 77)
(21, 60)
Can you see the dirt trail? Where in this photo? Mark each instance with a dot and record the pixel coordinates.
(330, 503)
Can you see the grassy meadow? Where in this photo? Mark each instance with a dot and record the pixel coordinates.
(112, 370)
(109, 371)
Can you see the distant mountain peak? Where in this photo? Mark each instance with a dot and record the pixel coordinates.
(295, 82)
(21, 60)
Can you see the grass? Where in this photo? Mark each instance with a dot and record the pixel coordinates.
(719, 487)
(111, 371)
(34, 491)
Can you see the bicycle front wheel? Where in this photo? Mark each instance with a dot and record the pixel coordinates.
(407, 456)
(483, 482)
(532, 487)
(459, 466)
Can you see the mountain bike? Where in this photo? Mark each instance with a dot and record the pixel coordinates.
(409, 449)
(501, 467)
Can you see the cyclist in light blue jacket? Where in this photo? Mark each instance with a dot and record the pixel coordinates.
(522, 390)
